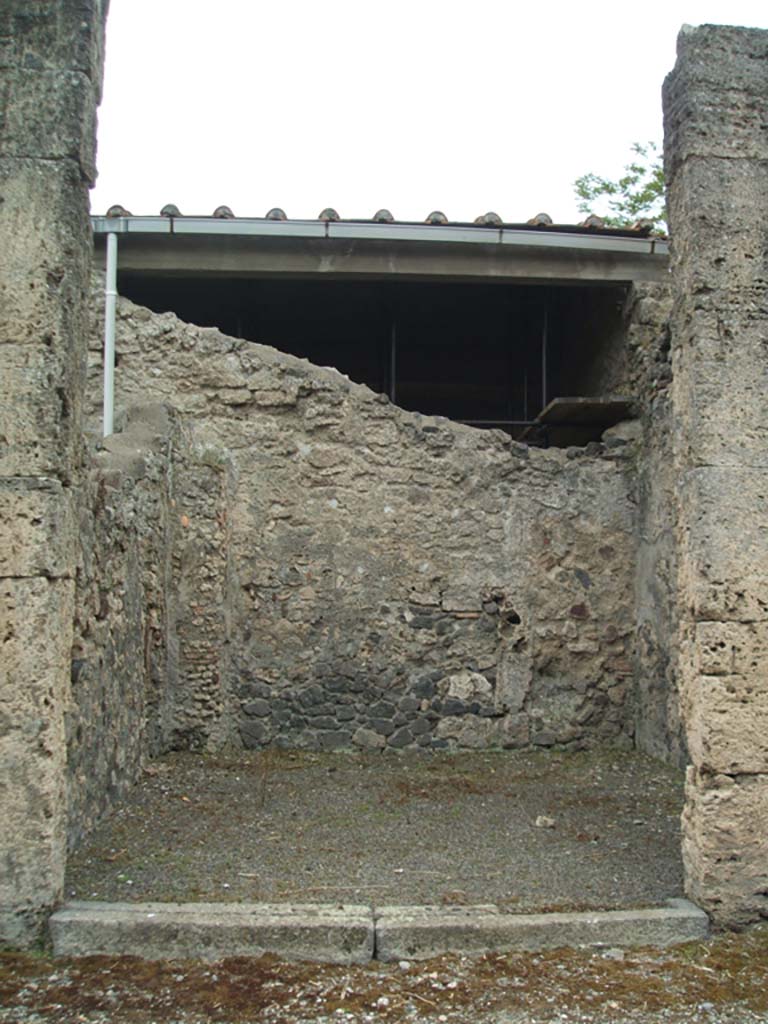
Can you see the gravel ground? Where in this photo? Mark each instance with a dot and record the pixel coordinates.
(448, 829)
(722, 981)
(378, 829)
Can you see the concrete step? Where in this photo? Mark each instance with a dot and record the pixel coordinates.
(352, 934)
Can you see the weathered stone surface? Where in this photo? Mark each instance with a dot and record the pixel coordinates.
(716, 148)
(254, 734)
(125, 650)
(367, 739)
(473, 733)
(42, 316)
(658, 727)
(724, 845)
(724, 570)
(389, 556)
(38, 535)
(159, 931)
(50, 36)
(304, 563)
(402, 737)
(731, 648)
(45, 112)
(200, 687)
(727, 717)
(50, 72)
(709, 114)
(417, 933)
(718, 364)
(466, 686)
(259, 708)
(713, 193)
(35, 623)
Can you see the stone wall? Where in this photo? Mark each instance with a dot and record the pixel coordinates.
(50, 72)
(295, 559)
(717, 170)
(347, 573)
(121, 661)
(647, 374)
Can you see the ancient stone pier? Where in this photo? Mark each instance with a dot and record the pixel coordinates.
(716, 102)
(50, 74)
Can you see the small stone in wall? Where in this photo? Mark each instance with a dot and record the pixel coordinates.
(470, 732)
(583, 577)
(579, 611)
(402, 737)
(461, 599)
(542, 821)
(367, 739)
(253, 734)
(467, 686)
(257, 708)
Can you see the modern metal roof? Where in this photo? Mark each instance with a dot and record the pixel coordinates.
(535, 249)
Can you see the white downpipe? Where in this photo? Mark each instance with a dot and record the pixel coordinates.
(110, 306)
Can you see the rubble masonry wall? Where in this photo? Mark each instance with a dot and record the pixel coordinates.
(120, 650)
(351, 574)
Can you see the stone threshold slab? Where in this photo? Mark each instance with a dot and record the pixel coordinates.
(417, 933)
(353, 934)
(210, 931)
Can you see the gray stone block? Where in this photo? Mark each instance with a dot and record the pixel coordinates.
(334, 740)
(382, 725)
(417, 933)
(40, 533)
(210, 931)
(46, 116)
(382, 709)
(323, 722)
(312, 695)
(257, 708)
(253, 733)
(367, 739)
(400, 738)
(451, 706)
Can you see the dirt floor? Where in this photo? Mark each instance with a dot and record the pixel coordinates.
(524, 831)
(378, 829)
(722, 981)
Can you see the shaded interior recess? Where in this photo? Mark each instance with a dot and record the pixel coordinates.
(489, 354)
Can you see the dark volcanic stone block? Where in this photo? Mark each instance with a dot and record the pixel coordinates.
(334, 740)
(253, 733)
(401, 738)
(381, 725)
(257, 708)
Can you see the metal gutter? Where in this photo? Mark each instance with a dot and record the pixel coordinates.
(432, 234)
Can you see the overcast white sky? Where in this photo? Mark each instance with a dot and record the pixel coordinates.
(415, 105)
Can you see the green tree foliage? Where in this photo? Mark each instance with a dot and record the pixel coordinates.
(637, 195)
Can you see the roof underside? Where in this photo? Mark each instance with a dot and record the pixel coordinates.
(263, 247)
